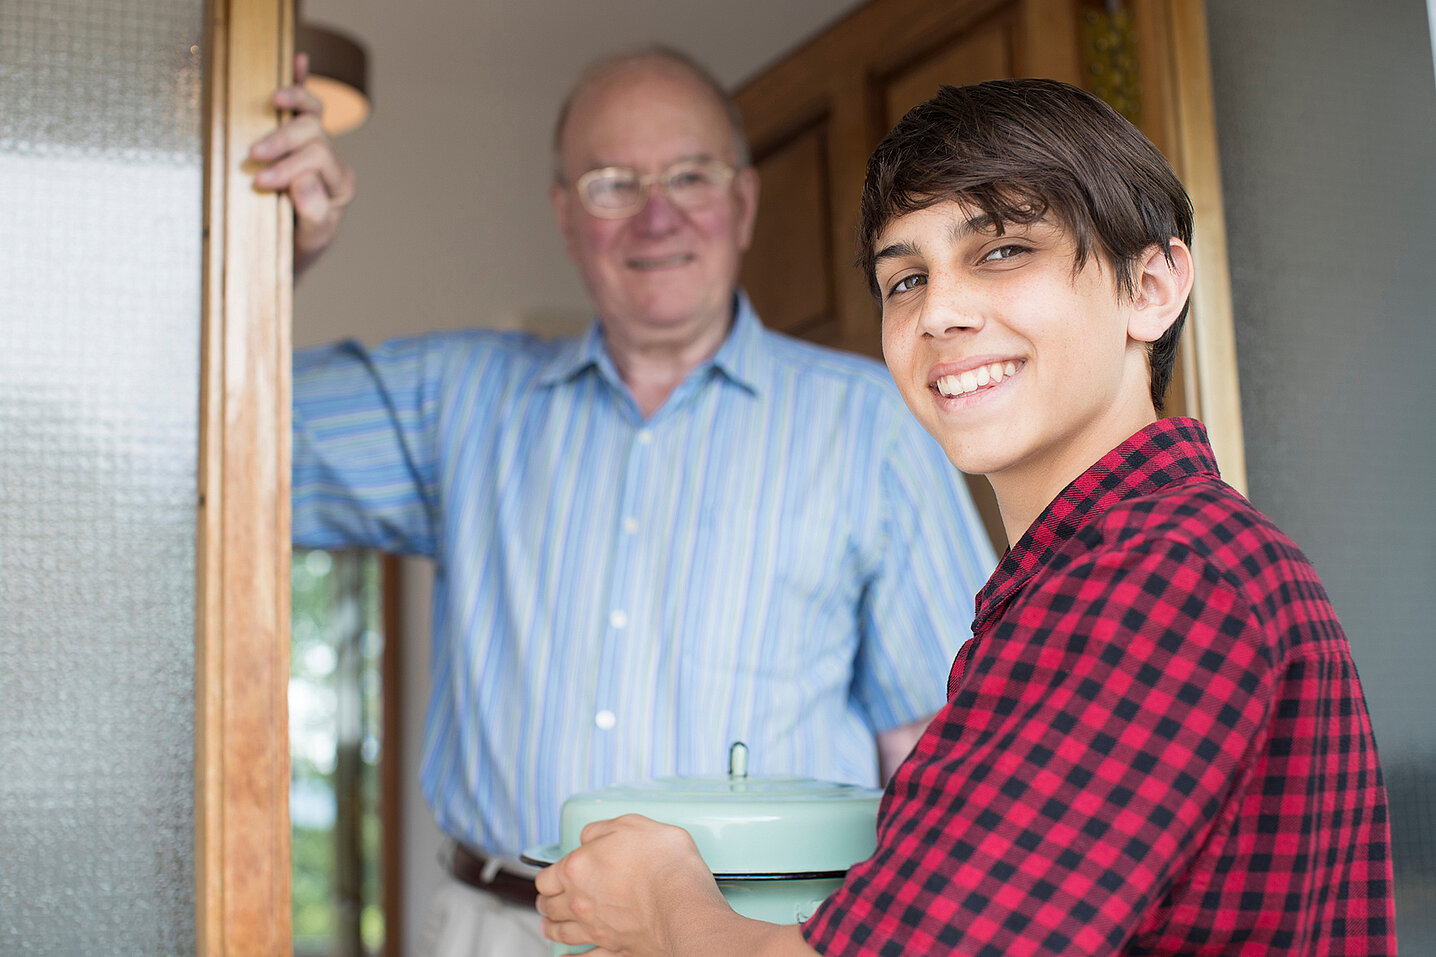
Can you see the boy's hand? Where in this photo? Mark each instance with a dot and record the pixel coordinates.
(299, 159)
(628, 888)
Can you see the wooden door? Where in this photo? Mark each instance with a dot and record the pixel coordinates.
(814, 118)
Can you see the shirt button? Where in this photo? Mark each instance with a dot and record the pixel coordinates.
(605, 720)
(645, 436)
(618, 619)
(630, 525)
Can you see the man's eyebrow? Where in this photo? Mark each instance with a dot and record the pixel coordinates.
(981, 223)
(685, 158)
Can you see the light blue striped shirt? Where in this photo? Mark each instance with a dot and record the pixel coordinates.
(779, 555)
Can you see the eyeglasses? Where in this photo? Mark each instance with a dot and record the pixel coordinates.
(614, 192)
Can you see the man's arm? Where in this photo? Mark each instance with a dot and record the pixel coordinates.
(895, 744)
(300, 160)
(639, 888)
(932, 556)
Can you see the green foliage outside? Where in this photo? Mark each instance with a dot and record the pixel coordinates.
(335, 700)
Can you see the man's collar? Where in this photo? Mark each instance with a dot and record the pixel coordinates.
(741, 358)
(574, 356)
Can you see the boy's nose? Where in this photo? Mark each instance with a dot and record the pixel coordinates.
(947, 311)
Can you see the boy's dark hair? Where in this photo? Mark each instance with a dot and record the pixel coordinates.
(1022, 150)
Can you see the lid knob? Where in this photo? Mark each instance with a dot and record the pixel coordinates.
(738, 760)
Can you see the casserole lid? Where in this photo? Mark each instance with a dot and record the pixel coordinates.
(754, 828)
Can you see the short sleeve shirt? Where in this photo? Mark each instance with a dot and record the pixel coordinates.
(1156, 743)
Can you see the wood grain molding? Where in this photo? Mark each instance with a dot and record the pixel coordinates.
(242, 760)
(1177, 64)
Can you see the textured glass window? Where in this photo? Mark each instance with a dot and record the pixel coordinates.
(100, 265)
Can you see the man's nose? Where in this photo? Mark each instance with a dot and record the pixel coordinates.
(658, 214)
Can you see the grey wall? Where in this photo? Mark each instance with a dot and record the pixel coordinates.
(1326, 119)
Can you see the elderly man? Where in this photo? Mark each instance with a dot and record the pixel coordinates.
(676, 531)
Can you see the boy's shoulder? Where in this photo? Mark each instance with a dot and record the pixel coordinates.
(1202, 527)
(1200, 511)
(1204, 517)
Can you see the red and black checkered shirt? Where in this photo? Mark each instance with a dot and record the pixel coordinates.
(1155, 743)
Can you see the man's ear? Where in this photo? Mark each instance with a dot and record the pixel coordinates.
(745, 188)
(1161, 290)
(561, 199)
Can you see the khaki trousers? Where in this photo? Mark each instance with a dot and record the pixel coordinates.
(465, 922)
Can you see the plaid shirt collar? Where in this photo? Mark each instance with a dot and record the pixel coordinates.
(1163, 453)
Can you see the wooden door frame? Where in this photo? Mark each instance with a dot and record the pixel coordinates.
(242, 860)
(1178, 68)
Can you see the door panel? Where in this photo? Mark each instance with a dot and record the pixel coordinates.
(792, 238)
(983, 54)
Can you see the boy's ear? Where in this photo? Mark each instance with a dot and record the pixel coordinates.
(1161, 288)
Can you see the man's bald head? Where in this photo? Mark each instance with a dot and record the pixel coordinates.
(656, 60)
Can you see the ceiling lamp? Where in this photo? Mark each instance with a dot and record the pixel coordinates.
(338, 75)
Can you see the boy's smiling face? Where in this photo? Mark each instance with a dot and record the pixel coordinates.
(1023, 369)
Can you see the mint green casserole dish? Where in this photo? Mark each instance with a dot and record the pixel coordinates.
(776, 846)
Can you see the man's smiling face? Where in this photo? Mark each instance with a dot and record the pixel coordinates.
(664, 274)
(1017, 362)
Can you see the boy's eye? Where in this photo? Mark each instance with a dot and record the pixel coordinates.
(1004, 252)
(908, 283)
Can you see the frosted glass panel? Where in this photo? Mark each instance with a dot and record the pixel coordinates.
(100, 230)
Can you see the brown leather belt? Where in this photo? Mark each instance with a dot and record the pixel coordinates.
(488, 875)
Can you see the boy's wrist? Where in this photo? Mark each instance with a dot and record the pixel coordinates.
(723, 933)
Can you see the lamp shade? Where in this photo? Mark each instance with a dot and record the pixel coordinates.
(338, 75)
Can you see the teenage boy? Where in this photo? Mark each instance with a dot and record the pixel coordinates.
(1155, 742)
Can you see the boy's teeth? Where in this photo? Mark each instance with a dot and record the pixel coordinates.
(974, 379)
